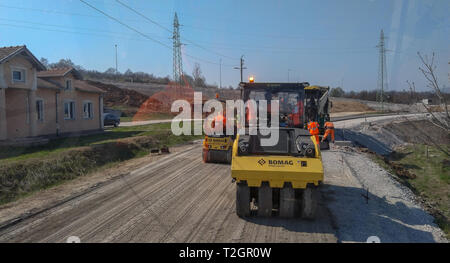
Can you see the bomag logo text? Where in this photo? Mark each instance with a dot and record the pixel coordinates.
(280, 162)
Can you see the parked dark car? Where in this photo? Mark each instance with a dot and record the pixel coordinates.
(111, 119)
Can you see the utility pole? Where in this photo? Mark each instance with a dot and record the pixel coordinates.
(177, 59)
(241, 68)
(382, 72)
(220, 74)
(116, 61)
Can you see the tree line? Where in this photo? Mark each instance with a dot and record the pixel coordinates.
(195, 80)
(402, 97)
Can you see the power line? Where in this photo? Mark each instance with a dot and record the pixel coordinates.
(116, 60)
(382, 72)
(65, 31)
(214, 45)
(123, 24)
(241, 68)
(48, 11)
(87, 15)
(189, 26)
(109, 34)
(249, 49)
(92, 34)
(142, 34)
(177, 59)
(68, 27)
(200, 46)
(165, 28)
(248, 34)
(142, 15)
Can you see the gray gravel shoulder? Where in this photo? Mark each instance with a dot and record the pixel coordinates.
(365, 201)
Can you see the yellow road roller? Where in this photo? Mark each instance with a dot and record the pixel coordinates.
(281, 179)
(217, 149)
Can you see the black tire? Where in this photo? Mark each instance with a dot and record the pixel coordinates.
(265, 200)
(242, 200)
(229, 155)
(287, 202)
(309, 200)
(116, 124)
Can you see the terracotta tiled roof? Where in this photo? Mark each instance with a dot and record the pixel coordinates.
(57, 72)
(44, 84)
(8, 51)
(83, 86)
(77, 84)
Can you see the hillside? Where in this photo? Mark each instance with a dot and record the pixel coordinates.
(128, 101)
(150, 89)
(145, 101)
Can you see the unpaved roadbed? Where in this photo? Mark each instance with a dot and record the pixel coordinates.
(55, 195)
(177, 198)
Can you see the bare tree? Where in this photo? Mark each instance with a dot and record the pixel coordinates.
(44, 62)
(428, 70)
(337, 92)
(412, 93)
(199, 80)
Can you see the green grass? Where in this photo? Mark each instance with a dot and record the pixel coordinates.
(126, 110)
(432, 180)
(161, 130)
(153, 116)
(126, 119)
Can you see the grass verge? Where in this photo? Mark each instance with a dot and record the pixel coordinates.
(148, 117)
(24, 170)
(427, 175)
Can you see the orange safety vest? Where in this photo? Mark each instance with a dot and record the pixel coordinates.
(329, 125)
(219, 118)
(313, 128)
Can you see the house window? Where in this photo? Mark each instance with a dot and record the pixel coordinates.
(68, 84)
(40, 109)
(69, 110)
(18, 75)
(88, 110)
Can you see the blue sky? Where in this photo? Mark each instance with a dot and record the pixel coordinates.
(325, 42)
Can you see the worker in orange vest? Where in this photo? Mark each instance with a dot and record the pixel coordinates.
(313, 128)
(329, 130)
(220, 118)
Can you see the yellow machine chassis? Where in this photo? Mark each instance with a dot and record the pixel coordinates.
(219, 144)
(277, 170)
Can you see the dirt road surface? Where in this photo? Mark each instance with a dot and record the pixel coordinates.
(141, 123)
(177, 198)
